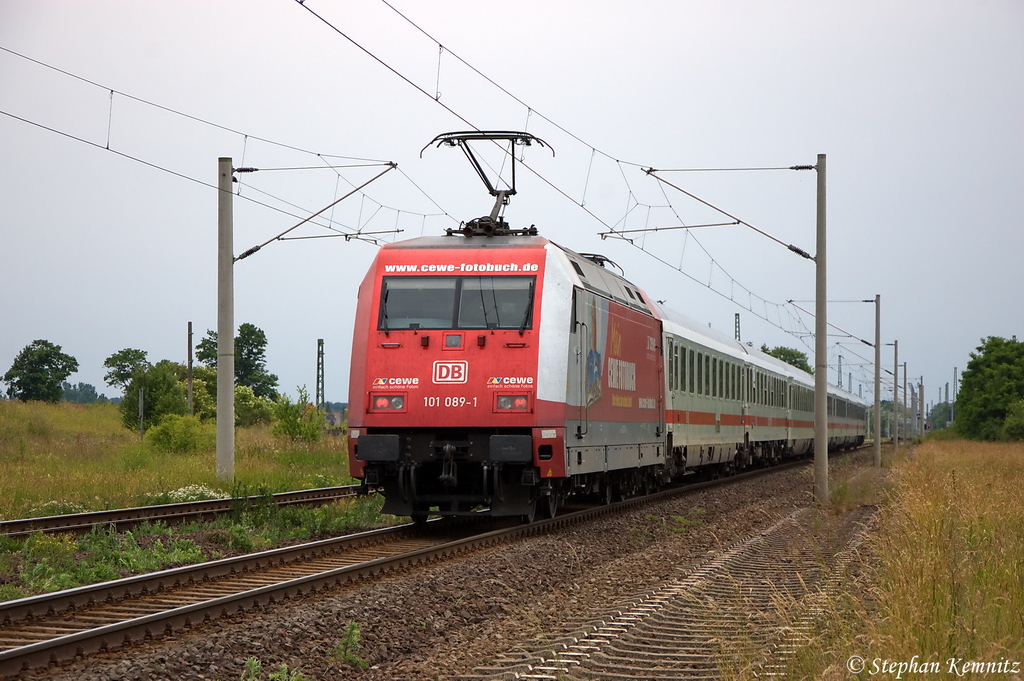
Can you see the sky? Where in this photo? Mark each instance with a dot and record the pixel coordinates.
(113, 116)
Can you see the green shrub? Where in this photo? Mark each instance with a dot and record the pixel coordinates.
(298, 420)
(1013, 426)
(251, 409)
(943, 435)
(182, 434)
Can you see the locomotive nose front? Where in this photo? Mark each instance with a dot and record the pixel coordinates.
(450, 369)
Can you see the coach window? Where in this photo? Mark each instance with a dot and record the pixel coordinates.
(673, 358)
(680, 355)
(714, 377)
(707, 374)
(675, 366)
(682, 367)
(700, 373)
(691, 371)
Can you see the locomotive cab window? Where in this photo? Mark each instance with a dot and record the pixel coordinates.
(504, 302)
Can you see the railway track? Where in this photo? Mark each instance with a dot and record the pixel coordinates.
(128, 518)
(58, 627)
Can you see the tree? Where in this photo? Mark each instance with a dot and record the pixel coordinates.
(250, 359)
(123, 364)
(162, 394)
(38, 371)
(938, 417)
(789, 356)
(992, 382)
(83, 393)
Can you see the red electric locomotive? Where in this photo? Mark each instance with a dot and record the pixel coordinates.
(493, 369)
(475, 357)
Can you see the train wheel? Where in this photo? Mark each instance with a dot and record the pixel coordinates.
(550, 504)
(419, 519)
(531, 514)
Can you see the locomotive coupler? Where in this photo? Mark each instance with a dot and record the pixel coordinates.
(449, 472)
(407, 487)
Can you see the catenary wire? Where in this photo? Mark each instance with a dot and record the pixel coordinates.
(176, 112)
(155, 166)
(323, 157)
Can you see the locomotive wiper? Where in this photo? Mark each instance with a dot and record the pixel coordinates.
(529, 311)
(384, 310)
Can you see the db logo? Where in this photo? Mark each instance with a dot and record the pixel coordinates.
(450, 372)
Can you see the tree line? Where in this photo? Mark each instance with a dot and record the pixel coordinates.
(164, 384)
(41, 369)
(989, 406)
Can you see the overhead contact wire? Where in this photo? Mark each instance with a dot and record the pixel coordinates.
(176, 112)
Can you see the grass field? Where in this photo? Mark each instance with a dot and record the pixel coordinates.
(944, 579)
(67, 458)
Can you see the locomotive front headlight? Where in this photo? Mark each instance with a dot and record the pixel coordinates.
(513, 402)
(387, 402)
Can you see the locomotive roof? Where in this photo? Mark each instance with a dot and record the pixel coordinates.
(477, 242)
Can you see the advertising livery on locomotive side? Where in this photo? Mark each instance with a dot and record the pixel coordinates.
(507, 373)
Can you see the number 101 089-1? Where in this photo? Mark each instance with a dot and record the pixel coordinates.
(449, 402)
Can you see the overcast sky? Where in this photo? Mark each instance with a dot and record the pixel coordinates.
(108, 241)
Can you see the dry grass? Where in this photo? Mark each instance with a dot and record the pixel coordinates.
(66, 457)
(944, 575)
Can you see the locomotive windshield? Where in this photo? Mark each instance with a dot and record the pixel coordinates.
(487, 302)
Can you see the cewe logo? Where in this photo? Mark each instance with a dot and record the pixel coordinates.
(386, 382)
(509, 381)
(450, 372)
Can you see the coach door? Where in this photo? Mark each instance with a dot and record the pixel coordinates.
(581, 347)
(748, 396)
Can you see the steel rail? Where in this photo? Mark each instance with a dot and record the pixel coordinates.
(58, 605)
(127, 518)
